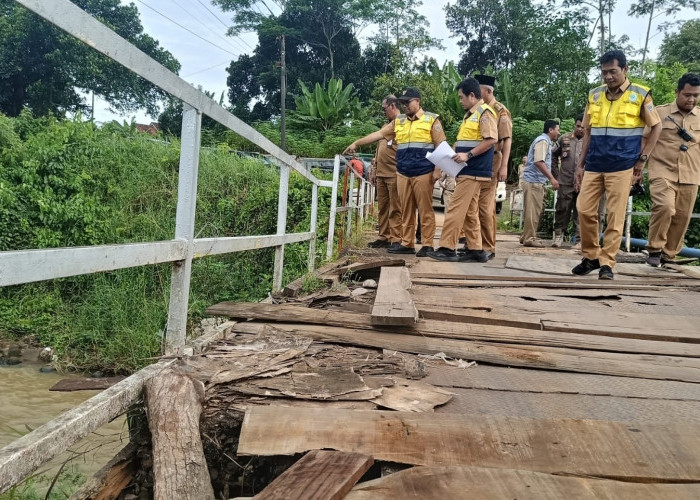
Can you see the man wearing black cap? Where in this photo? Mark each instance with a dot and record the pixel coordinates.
(485, 206)
(416, 133)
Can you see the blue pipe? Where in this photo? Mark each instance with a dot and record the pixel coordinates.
(685, 251)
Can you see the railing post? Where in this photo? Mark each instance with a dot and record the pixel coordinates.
(184, 229)
(281, 227)
(628, 224)
(334, 207)
(314, 221)
(351, 203)
(361, 188)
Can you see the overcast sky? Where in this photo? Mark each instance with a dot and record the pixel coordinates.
(204, 62)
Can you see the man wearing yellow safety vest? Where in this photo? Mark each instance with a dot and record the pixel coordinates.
(486, 204)
(475, 144)
(612, 155)
(416, 133)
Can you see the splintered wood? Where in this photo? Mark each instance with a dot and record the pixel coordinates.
(584, 389)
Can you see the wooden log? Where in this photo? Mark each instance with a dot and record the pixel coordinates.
(318, 475)
(393, 304)
(419, 483)
(630, 451)
(174, 404)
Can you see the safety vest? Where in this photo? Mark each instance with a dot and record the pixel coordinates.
(413, 141)
(469, 137)
(616, 129)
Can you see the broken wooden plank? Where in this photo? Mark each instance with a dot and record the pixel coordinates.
(449, 329)
(373, 264)
(318, 475)
(615, 450)
(419, 483)
(506, 283)
(500, 354)
(410, 395)
(393, 304)
(292, 289)
(498, 378)
(692, 272)
(109, 482)
(85, 384)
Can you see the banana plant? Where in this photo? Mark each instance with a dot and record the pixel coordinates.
(324, 109)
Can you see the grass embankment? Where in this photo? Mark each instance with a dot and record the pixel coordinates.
(70, 184)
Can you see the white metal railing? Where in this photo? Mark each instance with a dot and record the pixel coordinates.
(21, 458)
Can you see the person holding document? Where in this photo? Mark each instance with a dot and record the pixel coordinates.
(475, 145)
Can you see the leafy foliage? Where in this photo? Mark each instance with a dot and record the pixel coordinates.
(682, 47)
(324, 109)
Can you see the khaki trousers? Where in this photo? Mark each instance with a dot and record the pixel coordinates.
(482, 211)
(616, 187)
(389, 209)
(672, 206)
(416, 192)
(533, 203)
(466, 191)
(566, 204)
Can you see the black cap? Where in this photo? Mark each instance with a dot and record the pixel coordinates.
(485, 80)
(409, 93)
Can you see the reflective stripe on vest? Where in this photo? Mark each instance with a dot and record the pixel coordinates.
(616, 129)
(413, 140)
(469, 137)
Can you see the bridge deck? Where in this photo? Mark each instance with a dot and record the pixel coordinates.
(573, 377)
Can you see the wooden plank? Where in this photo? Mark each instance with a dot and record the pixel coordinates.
(293, 288)
(576, 406)
(448, 329)
(373, 264)
(85, 384)
(419, 483)
(497, 378)
(644, 326)
(693, 272)
(506, 283)
(616, 450)
(318, 475)
(499, 354)
(393, 304)
(546, 265)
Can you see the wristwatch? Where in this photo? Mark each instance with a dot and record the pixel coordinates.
(643, 157)
(470, 155)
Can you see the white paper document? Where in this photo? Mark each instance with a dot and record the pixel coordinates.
(442, 157)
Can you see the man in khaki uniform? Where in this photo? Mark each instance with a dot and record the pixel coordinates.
(614, 154)
(486, 204)
(674, 172)
(475, 144)
(385, 175)
(565, 157)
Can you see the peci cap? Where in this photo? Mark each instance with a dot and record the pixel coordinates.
(487, 80)
(409, 93)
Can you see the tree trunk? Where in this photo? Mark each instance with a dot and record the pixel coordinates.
(601, 7)
(646, 40)
(174, 404)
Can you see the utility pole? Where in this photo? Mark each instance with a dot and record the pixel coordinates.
(283, 87)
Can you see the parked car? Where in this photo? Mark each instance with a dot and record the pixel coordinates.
(439, 196)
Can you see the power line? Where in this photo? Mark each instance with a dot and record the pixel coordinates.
(207, 69)
(187, 29)
(222, 23)
(227, 40)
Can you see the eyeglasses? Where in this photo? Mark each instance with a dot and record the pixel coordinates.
(406, 103)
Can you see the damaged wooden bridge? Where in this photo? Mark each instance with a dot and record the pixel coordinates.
(421, 379)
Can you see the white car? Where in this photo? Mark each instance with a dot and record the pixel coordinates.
(439, 197)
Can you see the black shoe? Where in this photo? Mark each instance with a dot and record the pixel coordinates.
(474, 256)
(442, 253)
(586, 266)
(490, 255)
(463, 250)
(401, 249)
(379, 244)
(462, 240)
(606, 273)
(423, 252)
(654, 259)
(395, 245)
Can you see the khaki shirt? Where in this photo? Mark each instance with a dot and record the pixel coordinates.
(540, 152)
(436, 132)
(569, 151)
(505, 131)
(386, 152)
(648, 113)
(487, 124)
(667, 161)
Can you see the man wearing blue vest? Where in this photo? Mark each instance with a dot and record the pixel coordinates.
(612, 156)
(416, 133)
(538, 170)
(476, 138)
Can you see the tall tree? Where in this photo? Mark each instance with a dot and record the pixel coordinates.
(44, 69)
(601, 10)
(656, 8)
(683, 47)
